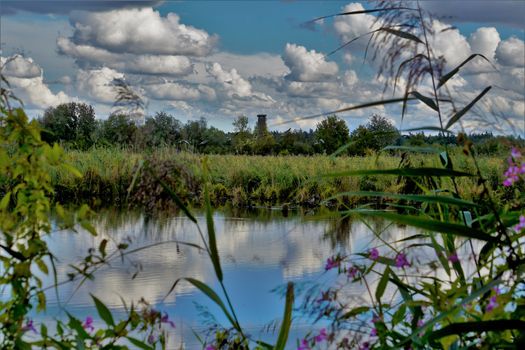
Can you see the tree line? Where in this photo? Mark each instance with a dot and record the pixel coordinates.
(75, 126)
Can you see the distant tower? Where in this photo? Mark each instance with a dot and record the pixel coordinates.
(262, 129)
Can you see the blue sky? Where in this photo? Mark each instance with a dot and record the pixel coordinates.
(247, 57)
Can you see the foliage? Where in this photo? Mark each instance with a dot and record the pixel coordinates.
(378, 133)
(331, 134)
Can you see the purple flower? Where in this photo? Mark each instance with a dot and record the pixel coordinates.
(211, 347)
(373, 254)
(420, 322)
(352, 272)
(519, 227)
(88, 324)
(515, 153)
(331, 263)
(365, 346)
(373, 333)
(29, 326)
(321, 336)
(375, 318)
(401, 260)
(453, 258)
(304, 345)
(165, 319)
(493, 303)
(152, 338)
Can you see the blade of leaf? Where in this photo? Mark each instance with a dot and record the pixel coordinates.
(453, 72)
(402, 34)
(459, 114)
(287, 318)
(382, 284)
(426, 100)
(212, 241)
(103, 311)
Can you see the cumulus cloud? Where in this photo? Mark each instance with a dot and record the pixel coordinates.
(511, 52)
(350, 27)
(64, 7)
(98, 83)
(307, 66)
(178, 91)
(485, 40)
(118, 31)
(27, 80)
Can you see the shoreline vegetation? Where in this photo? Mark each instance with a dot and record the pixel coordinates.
(245, 181)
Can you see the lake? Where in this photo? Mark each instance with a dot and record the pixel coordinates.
(260, 251)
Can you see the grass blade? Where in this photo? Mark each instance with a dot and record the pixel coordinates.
(459, 114)
(453, 72)
(401, 34)
(287, 319)
(477, 327)
(426, 100)
(382, 283)
(446, 228)
(409, 172)
(412, 149)
(212, 241)
(103, 311)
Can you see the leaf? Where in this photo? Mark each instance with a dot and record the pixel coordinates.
(358, 12)
(453, 72)
(426, 100)
(459, 114)
(429, 128)
(102, 247)
(401, 172)
(134, 179)
(5, 201)
(401, 34)
(382, 284)
(139, 344)
(287, 318)
(410, 197)
(477, 327)
(212, 241)
(431, 225)
(72, 170)
(412, 149)
(356, 311)
(76, 325)
(364, 105)
(103, 311)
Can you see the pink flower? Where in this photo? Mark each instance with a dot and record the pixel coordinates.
(519, 227)
(365, 346)
(492, 304)
(88, 324)
(352, 272)
(453, 258)
(420, 322)
(373, 333)
(304, 345)
(29, 327)
(321, 336)
(401, 260)
(515, 153)
(373, 254)
(331, 263)
(165, 319)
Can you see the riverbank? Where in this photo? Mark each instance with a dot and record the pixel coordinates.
(245, 180)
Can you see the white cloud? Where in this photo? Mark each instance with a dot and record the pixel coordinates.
(27, 81)
(140, 31)
(20, 67)
(177, 91)
(485, 40)
(260, 64)
(511, 52)
(308, 66)
(350, 27)
(450, 44)
(98, 83)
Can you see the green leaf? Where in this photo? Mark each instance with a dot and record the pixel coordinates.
(459, 114)
(477, 327)
(412, 149)
(5, 201)
(139, 344)
(76, 325)
(401, 34)
(212, 241)
(103, 311)
(429, 224)
(410, 197)
(380, 290)
(426, 100)
(439, 252)
(429, 128)
(287, 319)
(453, 72)
(358, 12)
(402, 172)
(356, 311)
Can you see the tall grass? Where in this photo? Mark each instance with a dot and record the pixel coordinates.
(250, 180)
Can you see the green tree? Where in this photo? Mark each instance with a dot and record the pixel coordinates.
(331, 134)
(242, 135)
(162, 129)
(378, 133)
(72, 122)
(119, 129)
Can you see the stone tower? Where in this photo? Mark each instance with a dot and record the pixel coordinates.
(262, 128)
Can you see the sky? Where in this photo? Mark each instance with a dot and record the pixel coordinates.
(221, 59)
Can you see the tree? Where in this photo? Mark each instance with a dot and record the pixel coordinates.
(119, 129)
(161, 130)
(72, 122)
(242, 135)
(331, 134)
(378, 133)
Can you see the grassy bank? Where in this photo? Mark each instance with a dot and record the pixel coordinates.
(245, 180)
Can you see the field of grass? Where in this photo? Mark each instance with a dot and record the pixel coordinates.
(245, 180)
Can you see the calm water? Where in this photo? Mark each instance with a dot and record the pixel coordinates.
(259, 251)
